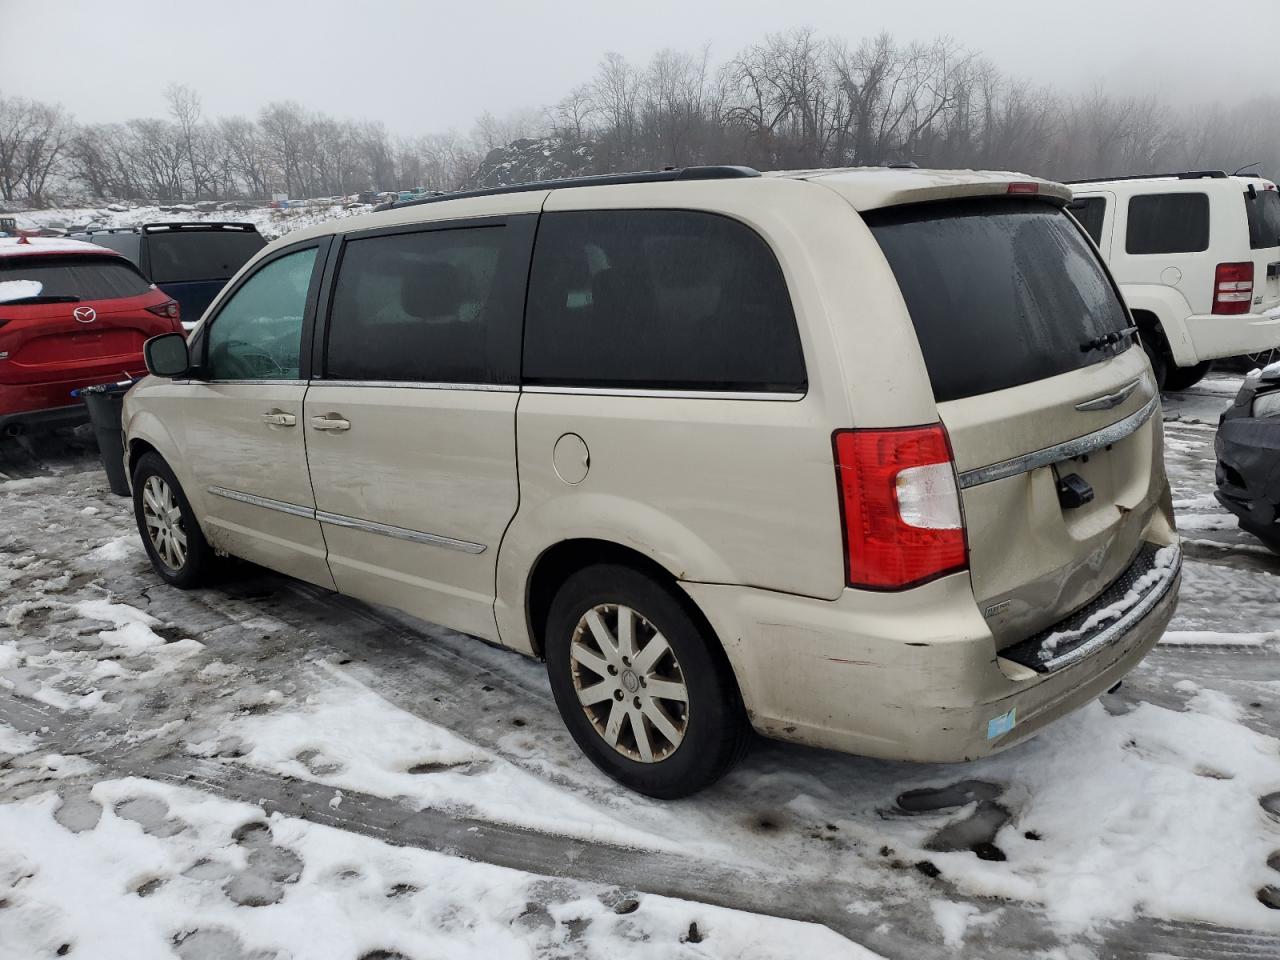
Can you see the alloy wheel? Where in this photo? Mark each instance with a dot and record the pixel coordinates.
(629, 683)
(163, 518)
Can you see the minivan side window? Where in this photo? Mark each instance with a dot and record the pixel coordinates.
(430, 306)
(1168, 223)
(658, 299)
(1090, 211)
(257, 333)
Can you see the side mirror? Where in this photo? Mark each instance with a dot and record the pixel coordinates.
(167, 355)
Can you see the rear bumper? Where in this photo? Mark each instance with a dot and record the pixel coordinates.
(912, 676)
(1222, 335)
(1248, 474)
(30, 401)
(35, 420)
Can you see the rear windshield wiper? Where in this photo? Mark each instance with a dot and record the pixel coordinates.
(1107, 339)
(39, 300)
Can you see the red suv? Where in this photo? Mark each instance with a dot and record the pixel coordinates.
(71, 314)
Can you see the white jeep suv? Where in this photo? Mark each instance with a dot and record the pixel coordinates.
(1197, 257)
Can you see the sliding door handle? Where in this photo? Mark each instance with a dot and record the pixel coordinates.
(278, 418)
(330, 423)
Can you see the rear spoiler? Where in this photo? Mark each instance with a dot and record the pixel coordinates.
(198, 225)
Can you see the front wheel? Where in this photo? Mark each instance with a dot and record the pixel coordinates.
(170, 534)
(641, 685)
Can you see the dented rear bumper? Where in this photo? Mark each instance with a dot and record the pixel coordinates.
(908, 676)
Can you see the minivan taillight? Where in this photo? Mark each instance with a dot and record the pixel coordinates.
(900, 506)
(1233, 288)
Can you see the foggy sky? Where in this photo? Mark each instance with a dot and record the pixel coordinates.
(424, 67)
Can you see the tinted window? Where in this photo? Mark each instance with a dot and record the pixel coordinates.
(1264, 219)
(1168, 223)
(1090, 211)
(257, 334)
(440, 306)
(102, 277)
(182, 255)
(1001, 293)
(126, 243)
(657, 298)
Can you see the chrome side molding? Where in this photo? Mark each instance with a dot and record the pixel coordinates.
(280, 506)
(400, 533)
(1113, 433)
(339, 520)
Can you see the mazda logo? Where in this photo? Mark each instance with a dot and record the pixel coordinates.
(85, 314)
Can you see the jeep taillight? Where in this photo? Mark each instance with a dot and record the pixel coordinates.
(1233, 288)
(900, 506)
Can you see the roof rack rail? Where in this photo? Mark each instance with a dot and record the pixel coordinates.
(599, 180)
(1187, 175)
(93, 230)
(198, 225)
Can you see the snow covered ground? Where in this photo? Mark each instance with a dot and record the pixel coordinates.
(263, 769)
(271, 223)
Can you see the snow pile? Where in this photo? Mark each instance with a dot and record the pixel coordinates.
(347, 736)
(1154, 812)
(155, 871)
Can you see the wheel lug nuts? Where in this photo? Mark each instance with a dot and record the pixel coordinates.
(636, 701)
(613, 671)
(617, 694)
(626, 662)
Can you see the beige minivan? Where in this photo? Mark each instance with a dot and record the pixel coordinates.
(864, 459)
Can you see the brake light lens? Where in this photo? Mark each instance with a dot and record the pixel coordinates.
(1233, 288)
(900, 507)
(168, 309)
(1023, 187)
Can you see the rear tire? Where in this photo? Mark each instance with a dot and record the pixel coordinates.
(641, 684)
(1159, 361)
(1181, 378)
(170, 533)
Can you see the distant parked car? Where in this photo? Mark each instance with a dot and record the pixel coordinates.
(189, 261)
(367, 196)
(1248, 451)
(1197, 257)
(71, 314)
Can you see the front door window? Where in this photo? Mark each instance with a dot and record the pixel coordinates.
(257, 335)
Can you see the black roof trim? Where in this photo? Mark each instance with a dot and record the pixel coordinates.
(600, 180)
(1188, 175)
(199, 225)
(95, 230)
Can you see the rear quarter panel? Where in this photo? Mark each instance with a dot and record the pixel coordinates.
(733, 491)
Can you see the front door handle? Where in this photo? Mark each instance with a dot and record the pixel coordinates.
(330, 423)
(278, 418)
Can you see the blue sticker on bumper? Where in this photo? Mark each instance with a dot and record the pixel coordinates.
(998, 726)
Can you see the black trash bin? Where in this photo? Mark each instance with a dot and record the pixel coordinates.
(105, 403)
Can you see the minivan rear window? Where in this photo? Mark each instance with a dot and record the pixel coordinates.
(95, 277)
(1264, 219)
(184, 255)
(1001, 292)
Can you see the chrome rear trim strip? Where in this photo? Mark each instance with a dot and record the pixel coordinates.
(278, 505)
(1062, 451)
(400, 533)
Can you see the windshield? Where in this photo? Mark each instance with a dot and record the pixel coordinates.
(185, 255)
(1001, 292)
(70, 277)
(1264, 219)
